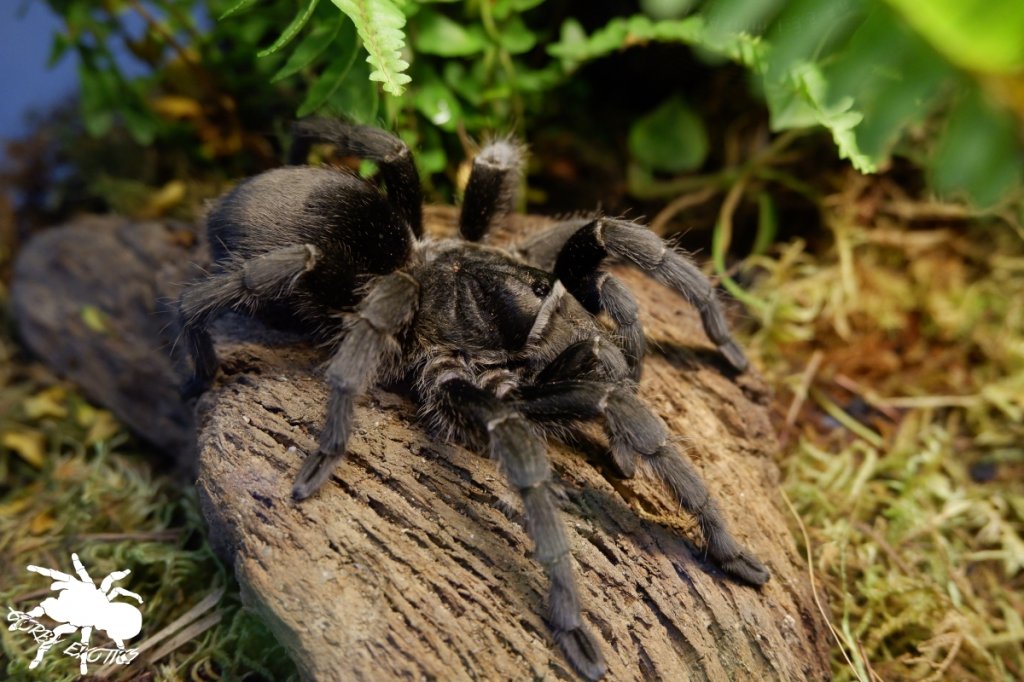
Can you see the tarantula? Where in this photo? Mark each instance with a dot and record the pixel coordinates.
(503, 346)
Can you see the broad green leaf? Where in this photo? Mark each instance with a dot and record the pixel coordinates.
(808, 29)
(894, 76)
(312, 46)
(731, 17)
(434, 100)
(504, 8)
(982, 35)
(292, 30)
(978, 153)
(538, 80)
(467, 82)
(672, 138)
(96, 100)
(840, 118)
(516, 37)
(380, 24)
(337, 70)
(357, 98)
(437, 34)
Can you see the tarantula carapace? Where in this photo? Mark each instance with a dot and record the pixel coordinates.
(504, 346)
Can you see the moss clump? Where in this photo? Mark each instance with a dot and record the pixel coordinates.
(898, 354)
(72, 484)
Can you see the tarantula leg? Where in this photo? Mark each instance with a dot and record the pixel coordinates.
(389, 152)
(591, 359)
(53, 573)
(588, 247)
(269, 276)
(368, 349)
(635, 433)
(596, 289)
(599, 291)
(520, 452)
(492, 188)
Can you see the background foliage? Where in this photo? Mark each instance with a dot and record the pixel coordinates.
(935, 82)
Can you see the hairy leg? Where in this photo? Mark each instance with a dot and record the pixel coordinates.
(80, 569)
(370, 348)
(638, 435)
(636, 244)
(242, 286)
(388, 151)
(486, 420)
(492, 187)
(596, 289)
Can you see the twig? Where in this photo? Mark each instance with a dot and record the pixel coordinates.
(814, 586)
(800, 394)
(680, 204)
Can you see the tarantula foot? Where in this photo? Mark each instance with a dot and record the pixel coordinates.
(735, 356)
(583, 652)
(315, 471)
(747, 568)
(193, 388)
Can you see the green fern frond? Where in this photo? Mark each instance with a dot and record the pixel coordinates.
(380, 23)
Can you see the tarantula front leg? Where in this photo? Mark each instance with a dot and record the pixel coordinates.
(369, 348)
(520, 451)
(243, 286)
(587, 248)
(576, 250)
(637, 434)
(113, 578)
(121, 592)
(596, 289)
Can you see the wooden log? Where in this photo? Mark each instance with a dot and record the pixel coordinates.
(412, 562)
(94, 300)
(404, 567)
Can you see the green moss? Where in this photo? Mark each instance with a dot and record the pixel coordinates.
(74, 484)
(917, 336)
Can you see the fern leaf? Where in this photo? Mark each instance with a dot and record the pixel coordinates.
(380, 23)
(296, 25)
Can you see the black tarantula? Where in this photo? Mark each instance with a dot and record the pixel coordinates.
(503, 345)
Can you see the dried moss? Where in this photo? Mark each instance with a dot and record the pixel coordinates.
(898, 353)
(72, 483)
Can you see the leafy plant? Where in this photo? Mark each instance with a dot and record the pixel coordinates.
(883, 77)
(854, 68)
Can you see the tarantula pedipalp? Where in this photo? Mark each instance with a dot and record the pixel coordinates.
(504, 346)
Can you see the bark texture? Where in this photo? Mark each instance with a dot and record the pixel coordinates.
(412, 562)
(94, 300)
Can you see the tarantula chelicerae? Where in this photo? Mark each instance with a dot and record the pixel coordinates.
(503, 345)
